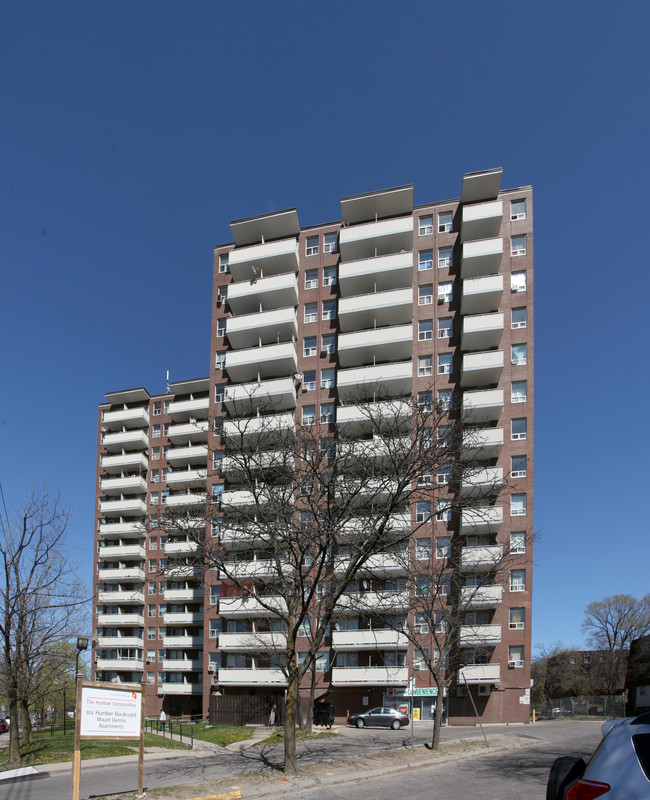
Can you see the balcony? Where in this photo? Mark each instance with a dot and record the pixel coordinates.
(484, 405)
(118, 642)
(479, 673)
(182, 665)
(121, 597)
(118, 620)
(189, 432)
(272, 426)
(126, 551)
(379, 564)
(482, 481)
(384, 380)
(354, 419)
(252, 641)
(113, 464)
(481, 369)
(109, 530)
(182, 571)
(481, 520)
(365, 676)
(280, 291)
(177, 595)
(133, 483)
(185, 500)
(482, 257)
(375, 449)
(240, 497)
(476, 635)
(126, 440)
(126, 418)
(482, 331)
(374, 601)
(252, 677)
(483, 185)
(173, 687)
(112, 664)
(128, 507)
(481, 295)
(192, 478)
(256, 363)
(263, 260)
(191, 454)
(369, 640)
(481, 221)
(394, 343)
(181, 548)
(380, 274)
(481, 596)
(233, 467)
(183, 642)
(193, 407)
(121, 575)
(482, 443)
(274, 395)
(184, 617)
(250, 606)
(263, 327)
(480, 559)
(262, 568)
(376, 238)
(377, 309)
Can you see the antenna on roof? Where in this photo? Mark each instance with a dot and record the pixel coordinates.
(169, 388)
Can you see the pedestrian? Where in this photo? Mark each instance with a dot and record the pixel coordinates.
(163, 719)
(272, 716)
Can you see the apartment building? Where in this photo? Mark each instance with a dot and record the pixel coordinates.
(394, 299)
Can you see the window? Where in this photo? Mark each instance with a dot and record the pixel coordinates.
(309, 381)
(445, 291)
(519, 352)
(330, 243)
(311, 248)
(517, 505)
(422, 511)
(518, 467)
(329, 309)
(518, 245)
(518, 542)
(444, 435)
(445, 257)
(518, 429)
(154, 498)
(220, 360)
(311, 312)
(421, 624)
(157, 409)
(223, 263)
(517, 580)
(221, 328)
(309, 346)
(217, 461)
(155, 432)
(322, 662)
(425, 260)
(151, 633)
(517, 617)
(425, 366)
(327, 413)
(586, 659)
(443, 474)
(328, 344)
(308, 415)
(155, 475)
(219, 392)
(155, 453)
(445, 221)
(518, 392)
(218, 490)
(215, 628)
(441, 622)
(153, 565)
(445, 328)
(422, 586)
(165, 429)
(327, 378)
(516, 656)
(425, 225)
(329, 276)
(444, 363)
(151, 611)
(444, 586)
(311, 279)
(517, 210)
(425, 295)
(420, 658)
(152, 588)
(425, 401)
(423, 549)
(424, 480)
(163, 497)
(518, 282)
(518, 318)
(444, 397)
(443, 547)
(443, 510)
(425, 330)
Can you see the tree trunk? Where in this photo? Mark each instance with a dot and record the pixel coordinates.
(310, 707)
(14, 744)
(27, 724)
(290, 722)
(437, 720)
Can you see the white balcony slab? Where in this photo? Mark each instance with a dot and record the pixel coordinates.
(378, 274)
(134, 484)
(250, 606)
(269, 258)
(481, 186)
(112, 664)
(481, 295)
(126, 551)
(263, 327)
(369, 640)
(179, 642)
(377, 601)
(130, 507)
(128, 461)
(478, 481)
(252, 641)
(182, 571)
(171, 688)
(481, 221)
(392, 307)
(182, 665)
(121, 575)
(482, 442)
(256, 363)
(376, 238)
(484, 405)
(482, 331)
(183, 618)
(249, 296)
(481, 257)
(119, 642)
(126, 418)
(365, 676)
(119, 620)
(192, 407)
(378, 564)
(354, 419)
(481, 369)
(481, 596)
(479, 673)
(186, 499)
(273, 395)
(186, 477)
(191, 454)
(384, 380)
(181, 548)
(108, 530)
(262, 568)
(252, 677)
(393, 343)
(176, 595)
(480, 559)
(481, 520)
(270, 425)
(122, 597)
(189, 432)
(126, 440)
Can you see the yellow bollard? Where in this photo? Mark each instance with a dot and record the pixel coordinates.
(533, 716)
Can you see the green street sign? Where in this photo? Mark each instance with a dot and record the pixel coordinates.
(428, 691)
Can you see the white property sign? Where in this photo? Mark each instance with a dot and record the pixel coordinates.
(110, 712)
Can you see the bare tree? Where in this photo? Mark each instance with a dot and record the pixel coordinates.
(557, 673)
(40, 597)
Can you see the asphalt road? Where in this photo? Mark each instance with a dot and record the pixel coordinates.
(501, 775)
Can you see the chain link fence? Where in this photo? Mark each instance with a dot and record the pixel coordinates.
(588, 707)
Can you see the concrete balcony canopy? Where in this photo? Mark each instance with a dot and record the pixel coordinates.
(376, 238)
(377, 309)
(482, 442)
(126, 440)
(252, 641)
(185, 499)
(181, 548)
(112, 664)
(178, 595)
(128, 507)
(377, 205)
(481, 596)
(481, 186)
(387, 638)
(121, 597)
(121, 575)
(183, 618)
(481, 520)
(484, 405)
(262, 327)
(481, 295)
(263, 260)
(481, 221)
(126, 418)
(378, 274)
(196, 407)
(192, 478)
(273, 395)
(354, 419)
(130, 461)
(119, 641)
(117, 620)
(476, 635)
(394, 343)
(482, 331)
(248, 297)
(479, 673)
(192, 431)
(270, 427)
(108, 530)
(189, 640)
(481, 257)
(129, 552)
(262, 568)
(374, 601)
(378, 382)
(248, 606)
(256, 363)
(265, 227)
(252, 677)
(379, 564)
(134, 484)
(185, 688)
(369, 676)
(191, 454)
(480, 559)
(481, 369)
(182, 665)
(482, 480)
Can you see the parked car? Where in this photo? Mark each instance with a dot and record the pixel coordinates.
(4, 725)
(384, 717)
(618, 768)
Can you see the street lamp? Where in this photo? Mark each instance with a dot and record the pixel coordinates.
(82, 644)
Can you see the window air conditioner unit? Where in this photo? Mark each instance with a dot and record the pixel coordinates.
(441, 299)
(212, 667)
(484, 689)
(461, 691)
(511, 664)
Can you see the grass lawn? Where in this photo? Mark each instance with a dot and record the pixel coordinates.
(278, 736)
(48, 749)
(222, 735)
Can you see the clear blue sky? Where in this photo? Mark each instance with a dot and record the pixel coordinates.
(132, 133)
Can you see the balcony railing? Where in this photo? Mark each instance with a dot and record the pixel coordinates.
(376, 238)
(481, 596)
(262, 260)
(386, 638)
(278, 291)
(479, 673)
(365, 676)
(252, 677)
(476, 635)
(393, 343)
(394, 271)
(394, 380)
(481, 257)
(481, 221)
(482, 295)
(391, 307)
